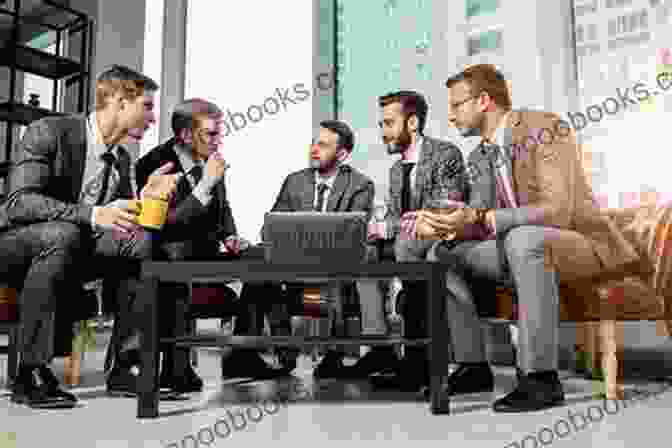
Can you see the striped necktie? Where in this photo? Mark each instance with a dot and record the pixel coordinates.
(506, 197)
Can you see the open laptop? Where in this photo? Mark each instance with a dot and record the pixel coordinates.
(315, 237)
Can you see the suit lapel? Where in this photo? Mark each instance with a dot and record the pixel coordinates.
(422, 172)
(308, 193)
(522, 144)
(76, 147)
(338, 189)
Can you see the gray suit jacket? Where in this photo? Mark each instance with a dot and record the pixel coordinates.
(352, 192)
(45, 179)
(440, 174)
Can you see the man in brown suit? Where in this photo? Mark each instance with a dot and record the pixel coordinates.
(531, 222)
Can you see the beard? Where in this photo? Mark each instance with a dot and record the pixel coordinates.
(472, 131)
(322, 165)
(402, 143)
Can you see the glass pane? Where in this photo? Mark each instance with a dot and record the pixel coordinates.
(484, 42)
(481, 7)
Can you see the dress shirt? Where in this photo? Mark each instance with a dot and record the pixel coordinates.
(188, 161)
(329, 182)
(94, 166)
(415, 157)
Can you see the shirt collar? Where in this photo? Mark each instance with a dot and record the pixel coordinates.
(418, 150)
(499, 137)
(328, 181)
(95, 136)
(186, 157)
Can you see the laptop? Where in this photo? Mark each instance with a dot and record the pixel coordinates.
(315, 237)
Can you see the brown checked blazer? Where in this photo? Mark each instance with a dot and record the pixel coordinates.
(440, 174)
(551, 187)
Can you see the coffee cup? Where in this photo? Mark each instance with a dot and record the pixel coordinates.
(152, 212)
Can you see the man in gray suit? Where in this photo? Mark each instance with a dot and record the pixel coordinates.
(429, 170)
(67, 218)
(328, 185)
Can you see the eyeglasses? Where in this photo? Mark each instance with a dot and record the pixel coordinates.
(457, 105)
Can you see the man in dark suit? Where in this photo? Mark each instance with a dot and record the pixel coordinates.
(328, 185)
(67, 218)
(429, 170)
(201, 218)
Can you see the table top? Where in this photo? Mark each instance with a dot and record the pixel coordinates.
(259, 270)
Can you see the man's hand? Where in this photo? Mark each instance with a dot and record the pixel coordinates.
(161, 185)
(233, 245)
(118, 216)
(215, 168)
(445, 225)
(376, 231)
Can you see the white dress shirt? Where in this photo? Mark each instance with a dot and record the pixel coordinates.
(329, 182)
(188, 162)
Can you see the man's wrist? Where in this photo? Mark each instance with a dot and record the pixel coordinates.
(94, 212)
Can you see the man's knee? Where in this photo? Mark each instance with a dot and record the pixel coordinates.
(525, 242)
(61, 235)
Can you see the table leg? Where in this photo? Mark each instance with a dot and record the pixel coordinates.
(148, 382)
(440, 340)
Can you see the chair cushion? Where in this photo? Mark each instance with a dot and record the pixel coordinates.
(9, 308)
(212, 300)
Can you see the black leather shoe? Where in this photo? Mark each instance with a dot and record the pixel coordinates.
(38, 388)
(186, 383)
(123, 382)
(534, 393)
(249, 364)
(407, 376)
(379, 359)
(470, 379)
(331, 366)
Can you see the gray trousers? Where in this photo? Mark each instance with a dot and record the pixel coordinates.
(51, 260)
(536, 284)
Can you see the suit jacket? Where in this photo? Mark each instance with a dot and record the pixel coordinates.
(440, 174)
(352, 192)
(45, 179)
(551, 187)
(188, 218)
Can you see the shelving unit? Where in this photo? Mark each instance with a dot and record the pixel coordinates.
(22, 21)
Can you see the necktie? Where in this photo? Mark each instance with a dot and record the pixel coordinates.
(406, 187)
(196, 174)
(321, 190)
(109, 160)
(506, 197)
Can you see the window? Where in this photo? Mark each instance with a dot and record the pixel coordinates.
(153, 62)
(481, 7)
(485, 42)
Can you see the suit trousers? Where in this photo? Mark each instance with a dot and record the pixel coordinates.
(538, 259)
(53, 259)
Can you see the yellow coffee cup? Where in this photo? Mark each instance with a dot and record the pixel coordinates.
(152, 212)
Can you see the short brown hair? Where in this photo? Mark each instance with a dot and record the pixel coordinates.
(190, 113)
(485, 78)
(119, 78)
(412, 103)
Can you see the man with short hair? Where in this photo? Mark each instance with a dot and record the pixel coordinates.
(328, 185)
(531, 223)
(68, 219)
(200, 219)
(429, 170)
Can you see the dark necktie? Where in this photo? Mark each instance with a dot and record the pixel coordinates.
(108, 159)
(196, 174)
(321, 190)
(406, 187)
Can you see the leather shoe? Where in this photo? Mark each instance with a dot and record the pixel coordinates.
(535, 392)
(379, 359)
(470, 379)
(186, 383)
(38, 388)
(331, 366)
(407, 376)
(249, 364)
(123, 382)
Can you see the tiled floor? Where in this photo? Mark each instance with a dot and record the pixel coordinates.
(298, 412)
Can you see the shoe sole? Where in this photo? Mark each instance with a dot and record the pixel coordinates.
(535, 409)
(163, 396)
(59, 405)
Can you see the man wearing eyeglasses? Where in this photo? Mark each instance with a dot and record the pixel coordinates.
(200, 223)
(329, 184)
(531, 222)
